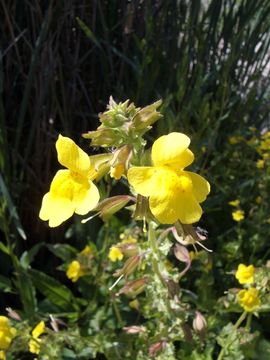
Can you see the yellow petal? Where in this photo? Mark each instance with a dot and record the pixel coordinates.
(38, 330)
(174, 200)
(85, 197)
(55, 209)
(201, 187)
(72, 156)
(190, 210)
(143, 180)
(69, 193)
(170, 150)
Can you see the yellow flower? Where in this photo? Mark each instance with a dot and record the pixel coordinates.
(129, 240)
(245, 274)
(234, 203)
(235, 139)
(7, 333)
(174, 194)
(35, 341)
(249, 299)
(71, 190)
(115, 254)
(258, 200)
(260, 164)
(117, 171)
(2, 355)
(238, 215)
(86, 251)
(75, 271)
(265, 145)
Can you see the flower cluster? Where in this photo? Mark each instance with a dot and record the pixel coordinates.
(247, 298)
(238, 214)
(7, 333)
(35, 341)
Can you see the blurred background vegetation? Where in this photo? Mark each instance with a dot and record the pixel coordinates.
(208, 60)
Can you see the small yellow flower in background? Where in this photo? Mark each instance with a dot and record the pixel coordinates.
(115, 254)
(234, 203)
(86, 251)
(245, 274)
(264, 145)
(2, 355)
(75, 271)
(7, 333)
(71, 190)
(266, 156)
(34, 343)
(258, 200)
(234, 139)
(174, 194)
(117, 171)
(238, 215)
(249, 299)
(260, 164)
(129, 240)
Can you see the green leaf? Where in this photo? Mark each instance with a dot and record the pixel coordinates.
(27, 291)
(63, 251)
(57, 293)
(88, 32)
(5, 284)
(12, 210)
(28, 256)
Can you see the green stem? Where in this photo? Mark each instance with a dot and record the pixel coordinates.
(155, 261)
(248, 323)
(228, 342)
(117, 313)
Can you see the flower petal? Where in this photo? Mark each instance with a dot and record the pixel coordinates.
(173, 199)
(55, 209)
(69, 193)
(143, 180)
(201, 187)
(72, 156)
(170, 149)
(85, 197)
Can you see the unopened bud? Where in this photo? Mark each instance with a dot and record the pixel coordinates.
(129, 250)
(129, 266)
(134, 329)
(13, 314)
(110, 206)
(147, 116)
(157, 347)
(102, 137)
(134, 288)
(199, 324)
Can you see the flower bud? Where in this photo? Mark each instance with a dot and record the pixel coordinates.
(134, 288)
(147, 116)
(110, 206)
(129, 266)
(199, 324)
(134, 329)
(102, 137)
(129, 250)
(157, 347)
